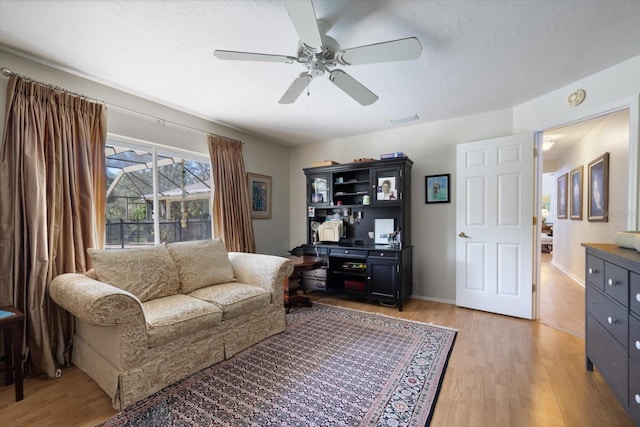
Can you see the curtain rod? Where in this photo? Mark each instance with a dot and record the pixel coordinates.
(8, 73)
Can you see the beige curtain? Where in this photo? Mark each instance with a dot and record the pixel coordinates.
(52, 192)
(231, 205)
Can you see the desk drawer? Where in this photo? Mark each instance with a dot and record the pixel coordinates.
(616, 283)
(595, 271)
(611, 316)
(609, 357)
(384, 254)
(350, 253)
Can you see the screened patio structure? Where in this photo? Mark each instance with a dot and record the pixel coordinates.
(182, 199)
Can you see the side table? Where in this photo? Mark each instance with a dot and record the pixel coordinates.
(300, 264)
(12, 328)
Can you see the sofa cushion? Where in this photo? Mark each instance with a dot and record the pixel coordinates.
(146, 272)
(176, 316)
(201, 263)
(235, 299)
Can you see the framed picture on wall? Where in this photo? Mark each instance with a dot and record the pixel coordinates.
(562, 196)
(598, 204)
(260, 194)
(437, 188)
(575, 180)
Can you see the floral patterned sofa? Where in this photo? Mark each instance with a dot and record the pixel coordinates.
(148, 317)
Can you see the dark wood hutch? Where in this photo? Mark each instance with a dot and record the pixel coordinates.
(364, 262)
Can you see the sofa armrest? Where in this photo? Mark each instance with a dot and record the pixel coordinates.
(266, 271)
(94, 301)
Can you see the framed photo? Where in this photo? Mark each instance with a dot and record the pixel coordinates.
(387, 189)
(598, 204)
(575, 179)
(562, 196)
(260, 194)
(437, 188)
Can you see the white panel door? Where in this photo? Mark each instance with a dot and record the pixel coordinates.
(494, 211)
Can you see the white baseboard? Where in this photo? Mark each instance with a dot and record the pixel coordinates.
(444, 301)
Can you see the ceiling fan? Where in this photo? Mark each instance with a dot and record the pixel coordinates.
(321, 54)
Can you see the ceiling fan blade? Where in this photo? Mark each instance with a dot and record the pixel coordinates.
(249, 56)
(352, 87)
(296, 88)
(395, 50)
(304, 19)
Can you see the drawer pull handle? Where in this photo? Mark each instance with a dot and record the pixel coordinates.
(611, 320)
(612, 282)
(638, 297)
(346, 252)
(382, 254)
(638, 399)
(638, 344)
(592, 271)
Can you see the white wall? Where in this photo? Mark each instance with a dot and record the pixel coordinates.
(432, 147)
(260, 155)
(611, 135)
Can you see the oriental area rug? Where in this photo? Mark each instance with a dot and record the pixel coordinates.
(330, 367)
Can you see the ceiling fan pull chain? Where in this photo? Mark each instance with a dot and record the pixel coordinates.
(309, 84)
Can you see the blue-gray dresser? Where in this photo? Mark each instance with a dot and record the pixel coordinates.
(613, 320)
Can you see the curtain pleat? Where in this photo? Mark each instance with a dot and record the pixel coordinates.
(53, 189)
(231, 204)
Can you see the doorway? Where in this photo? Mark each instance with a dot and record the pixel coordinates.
(570, 148)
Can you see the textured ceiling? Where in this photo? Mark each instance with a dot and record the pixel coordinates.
(477, 55)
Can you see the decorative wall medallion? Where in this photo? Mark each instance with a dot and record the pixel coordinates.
(576, 98)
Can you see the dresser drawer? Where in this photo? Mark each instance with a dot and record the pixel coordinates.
(611, 316)
(634, 293)
(634, 338)
(609, 357)
(595, 271)
(634, 391)
(616, 283)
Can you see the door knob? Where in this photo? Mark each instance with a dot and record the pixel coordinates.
(463, 234)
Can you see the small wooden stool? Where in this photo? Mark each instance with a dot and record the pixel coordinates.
(12, 327)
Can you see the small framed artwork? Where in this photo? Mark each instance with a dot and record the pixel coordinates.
(575, 179)
(562, 196)
(437, 188)
(260, 194)
(598, 204)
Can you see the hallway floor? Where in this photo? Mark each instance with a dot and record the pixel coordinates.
(561, 299)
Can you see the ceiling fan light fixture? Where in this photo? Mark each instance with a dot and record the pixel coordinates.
(320, 53)
(316, 68)
(405, 119)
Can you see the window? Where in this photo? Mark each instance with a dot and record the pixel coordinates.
(181, 199)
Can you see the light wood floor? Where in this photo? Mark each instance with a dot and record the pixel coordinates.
(561, 299)
(502, 372)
